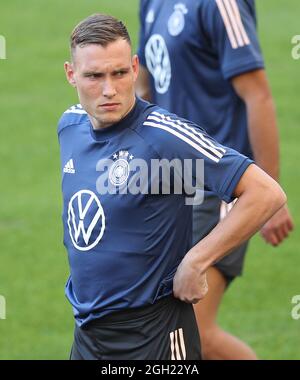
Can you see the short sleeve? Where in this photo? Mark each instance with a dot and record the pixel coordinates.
(176, 138)
(231, 28)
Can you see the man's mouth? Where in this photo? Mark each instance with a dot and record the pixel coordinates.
(110, 106)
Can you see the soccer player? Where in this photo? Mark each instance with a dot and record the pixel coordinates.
(201, 60)
(134, 272)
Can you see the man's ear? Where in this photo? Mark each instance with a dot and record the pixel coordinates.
(69, 70)
(135, 66)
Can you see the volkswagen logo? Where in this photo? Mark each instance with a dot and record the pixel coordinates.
(86, 220)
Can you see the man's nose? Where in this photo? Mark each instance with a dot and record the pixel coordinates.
(108, 90)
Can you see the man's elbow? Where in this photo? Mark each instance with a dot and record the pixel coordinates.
(263, 191)
(280, 197)
(274, 197)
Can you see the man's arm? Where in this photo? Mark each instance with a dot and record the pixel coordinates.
(254, 89)
(259, 198)
(142, 86)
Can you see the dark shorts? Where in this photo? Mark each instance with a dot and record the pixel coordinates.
(166, 330)
(205, 217)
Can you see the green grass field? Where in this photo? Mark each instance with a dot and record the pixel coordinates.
(33, 262)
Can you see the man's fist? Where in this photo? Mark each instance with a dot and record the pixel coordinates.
(189, 285)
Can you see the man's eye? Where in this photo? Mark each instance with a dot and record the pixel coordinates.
(120, 73)
(92, 76)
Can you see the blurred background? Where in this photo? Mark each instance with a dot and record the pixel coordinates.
(33, 262)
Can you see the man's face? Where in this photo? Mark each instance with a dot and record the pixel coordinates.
(104, 78)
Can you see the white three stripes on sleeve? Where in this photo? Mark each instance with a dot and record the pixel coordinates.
(233, 23)
(205, 141)
(187, 134)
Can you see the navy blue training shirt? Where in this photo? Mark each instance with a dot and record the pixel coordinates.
(192, 48)
(124, 247)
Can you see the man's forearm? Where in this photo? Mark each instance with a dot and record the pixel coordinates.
(263, 134)
(254, 89)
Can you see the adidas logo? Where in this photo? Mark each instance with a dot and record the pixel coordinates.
(69, 167)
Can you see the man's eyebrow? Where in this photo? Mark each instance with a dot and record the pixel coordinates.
(96, 72)
(92, 72)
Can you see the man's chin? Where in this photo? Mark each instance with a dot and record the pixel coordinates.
(107, 121)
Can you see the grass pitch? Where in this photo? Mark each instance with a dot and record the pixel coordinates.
(33, 263)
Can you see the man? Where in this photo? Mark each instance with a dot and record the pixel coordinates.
(134, 273)
(201, 60)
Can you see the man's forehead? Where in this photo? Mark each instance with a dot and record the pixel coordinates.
(103, 66)
(113, 50)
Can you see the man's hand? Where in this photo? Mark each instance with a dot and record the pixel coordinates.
(189, 285)
(278, 227)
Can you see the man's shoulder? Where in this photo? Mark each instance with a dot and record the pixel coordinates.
(225, 11)
(72, 116)
(163, 129)
(161, 119)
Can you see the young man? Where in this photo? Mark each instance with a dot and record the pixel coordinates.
(201, 60)
(134, 273)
